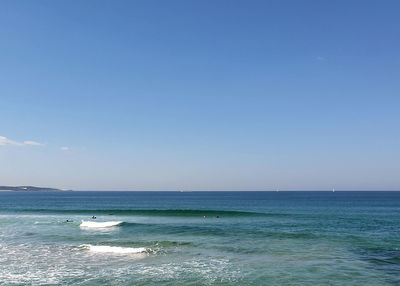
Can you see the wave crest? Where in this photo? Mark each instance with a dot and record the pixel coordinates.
(153, 212)
(114, 249)
(93, 224)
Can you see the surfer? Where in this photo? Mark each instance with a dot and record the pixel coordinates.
(93, 217)
(69, 220)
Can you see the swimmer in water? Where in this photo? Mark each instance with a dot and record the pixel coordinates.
(93, 217)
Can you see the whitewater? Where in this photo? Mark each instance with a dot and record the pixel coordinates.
(93, 224)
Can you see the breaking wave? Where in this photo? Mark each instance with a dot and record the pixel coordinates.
(93, 224)
(114, 249)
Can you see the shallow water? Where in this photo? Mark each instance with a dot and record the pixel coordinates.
(260, 238)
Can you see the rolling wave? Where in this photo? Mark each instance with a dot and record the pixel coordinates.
(114, 249)
(152, 212)
(93, 224)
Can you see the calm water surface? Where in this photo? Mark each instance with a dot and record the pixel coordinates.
(247, 238)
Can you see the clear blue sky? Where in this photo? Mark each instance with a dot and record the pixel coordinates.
(200, 95)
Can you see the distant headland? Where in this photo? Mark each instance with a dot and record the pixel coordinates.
(29, 189)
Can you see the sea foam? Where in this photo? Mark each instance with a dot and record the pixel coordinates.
(114, 249)
(93, 224)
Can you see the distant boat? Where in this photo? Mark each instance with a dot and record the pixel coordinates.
(333, 190)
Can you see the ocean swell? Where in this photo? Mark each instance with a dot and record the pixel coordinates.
(150, 212)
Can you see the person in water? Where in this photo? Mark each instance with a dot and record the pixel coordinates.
(69, 220)
(93, 217)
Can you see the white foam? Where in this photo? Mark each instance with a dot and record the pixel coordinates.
(115, 249)
(93, 224)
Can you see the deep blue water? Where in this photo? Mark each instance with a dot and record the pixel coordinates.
(200, 238)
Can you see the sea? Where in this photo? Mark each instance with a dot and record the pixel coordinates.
(200, 238)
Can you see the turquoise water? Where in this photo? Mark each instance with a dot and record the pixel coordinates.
(162, 238)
